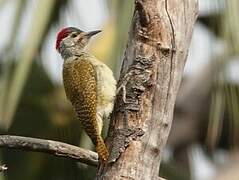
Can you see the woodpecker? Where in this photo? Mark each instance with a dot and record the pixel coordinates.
(89, 84)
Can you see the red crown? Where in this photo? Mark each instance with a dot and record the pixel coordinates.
(61, 35)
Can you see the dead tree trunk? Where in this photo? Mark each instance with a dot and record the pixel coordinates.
(150, 77)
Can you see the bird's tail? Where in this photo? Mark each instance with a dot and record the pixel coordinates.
(101, 148)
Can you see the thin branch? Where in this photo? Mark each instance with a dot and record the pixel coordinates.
(3, 167)
(51, 147)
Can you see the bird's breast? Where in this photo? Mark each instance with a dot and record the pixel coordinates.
(106, 87)
(105, 82)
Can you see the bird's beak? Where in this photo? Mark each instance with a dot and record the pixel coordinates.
(92, 33)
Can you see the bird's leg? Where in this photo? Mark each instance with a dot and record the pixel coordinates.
(122, 87)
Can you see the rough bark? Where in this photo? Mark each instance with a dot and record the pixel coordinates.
(150, 77)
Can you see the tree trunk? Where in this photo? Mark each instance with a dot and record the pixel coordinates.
(150, 77)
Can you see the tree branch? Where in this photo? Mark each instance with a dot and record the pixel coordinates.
(50, 147)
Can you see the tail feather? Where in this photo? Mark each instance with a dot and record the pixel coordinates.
(101, 148)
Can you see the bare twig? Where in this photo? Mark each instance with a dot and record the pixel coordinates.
(51, 147)
(3, 167)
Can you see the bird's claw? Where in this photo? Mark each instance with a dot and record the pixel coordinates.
(123, 87)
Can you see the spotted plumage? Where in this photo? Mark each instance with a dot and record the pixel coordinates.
(89, 84)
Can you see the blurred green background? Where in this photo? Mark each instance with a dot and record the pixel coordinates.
(204, 140)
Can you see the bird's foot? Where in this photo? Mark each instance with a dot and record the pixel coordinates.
(122, 87)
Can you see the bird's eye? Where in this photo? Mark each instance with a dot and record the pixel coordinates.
(73, 35)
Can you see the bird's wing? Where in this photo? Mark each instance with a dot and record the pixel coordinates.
(80, 85)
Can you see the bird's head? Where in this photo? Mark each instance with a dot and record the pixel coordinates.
(71, 40)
